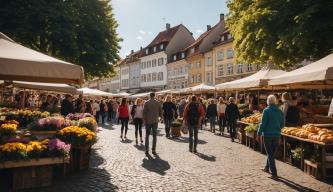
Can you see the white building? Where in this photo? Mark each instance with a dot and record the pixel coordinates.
(124, 76)
(158, 52)
(115, 81)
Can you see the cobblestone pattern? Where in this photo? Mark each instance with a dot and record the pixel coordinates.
(219, 166)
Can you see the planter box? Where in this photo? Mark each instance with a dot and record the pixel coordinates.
(43, 134)
(33, 173)
(80, 157)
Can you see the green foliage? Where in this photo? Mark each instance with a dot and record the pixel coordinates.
(82, 32)
(252, 128)
(283, 32)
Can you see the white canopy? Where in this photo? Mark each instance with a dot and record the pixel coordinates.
(23, 64)
(64, 88)
(319, 72)
(140, 95)
(258, 79)
(201, 87)
(164, 92)
(93, 92)
(122, 94)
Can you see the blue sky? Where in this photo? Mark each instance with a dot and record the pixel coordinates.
(141, 20)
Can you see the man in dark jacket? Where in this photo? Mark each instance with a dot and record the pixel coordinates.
(67, 105)
(211, 114)
(232, 114)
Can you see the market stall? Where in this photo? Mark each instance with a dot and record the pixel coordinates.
(94, 92)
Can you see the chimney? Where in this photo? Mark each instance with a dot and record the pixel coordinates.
(208, 27)
(132, 51)
(221, 17)
(167, 26)
(141, 48)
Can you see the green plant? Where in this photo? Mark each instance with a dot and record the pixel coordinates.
(252, 128)
(296, 154)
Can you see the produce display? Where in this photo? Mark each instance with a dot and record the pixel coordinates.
(310, 131)
(252, 128)
(255, 118)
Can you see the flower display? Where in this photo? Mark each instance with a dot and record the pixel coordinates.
(49, 124)
(13, 151)
(77, 136)
(25, 117)
(88, 122)
(78, 116)
(57, 146)
(8, 129)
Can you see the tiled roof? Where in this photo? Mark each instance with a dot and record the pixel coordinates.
(200, 38)
(133, 57)
(164, 36)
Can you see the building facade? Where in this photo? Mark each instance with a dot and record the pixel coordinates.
(177, 71)
(115, 81)
(157, 54)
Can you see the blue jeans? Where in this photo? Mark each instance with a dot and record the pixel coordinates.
(271, 145)
(151, 128)
(212, 121)
(193, 131)
(167, 123)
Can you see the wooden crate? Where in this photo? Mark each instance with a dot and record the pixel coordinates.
(80, 158)
(311, 169)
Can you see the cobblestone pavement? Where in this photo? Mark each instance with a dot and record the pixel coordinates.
(219, 166)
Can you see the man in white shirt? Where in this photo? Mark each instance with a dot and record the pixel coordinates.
(221, 106)
(95, 109)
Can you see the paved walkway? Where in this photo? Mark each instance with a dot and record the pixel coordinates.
(219, 166)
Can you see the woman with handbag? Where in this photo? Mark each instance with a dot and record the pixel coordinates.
(124, 116)
(137, 115)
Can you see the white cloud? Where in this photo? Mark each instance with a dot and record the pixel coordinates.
(150, 33)
(199, 31)
(142, 32)
(139, 37)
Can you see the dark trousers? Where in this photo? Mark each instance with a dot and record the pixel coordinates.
(212, 121)
(271, 145)
(109, 115)
(232, 127)
(151, 128)
(167, 123)
(97, 116)
(193, 131)
(222, 123)
(138, 127)
(103, 116)
(124, 125)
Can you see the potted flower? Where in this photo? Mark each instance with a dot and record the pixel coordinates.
(89, 123)
(7, 130)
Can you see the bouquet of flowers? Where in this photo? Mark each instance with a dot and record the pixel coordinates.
(49, 124)
(58, 148)
(78, 116)
(8, 130)
(77, 136)
(89, 123)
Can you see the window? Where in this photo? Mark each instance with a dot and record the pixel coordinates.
(209, 61)
(220, 55)
(229, 36)
(230, 68)
(160, 76)
(190, 66)
(149, 77)
(209, 77)
(160, 61)
(147, 51)
(230, 53)
(161, 47)
(143, 78)
(154, 49)
(144, 64)
(192, 50)
(239, 68)
(198, 77)
(149, 64)
(181, 70)
(175, 57)
(182, 55)
(154, 63)
(191, 79)
(220, 70)
(154, 77)
(222, 38)
(198, 65)
(249, 67)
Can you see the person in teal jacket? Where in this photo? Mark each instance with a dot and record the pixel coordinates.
(270, 128)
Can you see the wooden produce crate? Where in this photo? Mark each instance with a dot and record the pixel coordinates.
(311, 169)
(80, 158)
(27, 174)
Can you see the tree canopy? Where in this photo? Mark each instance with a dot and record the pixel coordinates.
(283, 32)
(82, 32)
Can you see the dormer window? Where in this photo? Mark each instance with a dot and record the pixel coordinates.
(155, 49)
(161, 47)
(183, 55)
(192, 50)
(229, 36)
(222, 38)
(147, 51)
(175, 57)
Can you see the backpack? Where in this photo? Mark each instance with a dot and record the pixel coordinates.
(193, 114)
(123, 111)
(293, 115)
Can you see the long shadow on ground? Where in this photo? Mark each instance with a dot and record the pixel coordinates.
(156, 164)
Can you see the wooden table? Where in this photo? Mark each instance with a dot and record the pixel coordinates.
(322, 145)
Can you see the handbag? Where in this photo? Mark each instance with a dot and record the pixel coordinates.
(184, 128)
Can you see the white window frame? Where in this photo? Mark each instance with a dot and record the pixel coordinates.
(220, 55)
(161, 46)
(249, 67)
(175, 57)
(230, 53)
(230, 69)
(147, 51)
(220, 70)
(155, 49)
(192, 50)
(182, 55)
(239, 68)
(209, 61)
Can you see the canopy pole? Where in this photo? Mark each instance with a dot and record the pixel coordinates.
(236, 96)
(258, 98)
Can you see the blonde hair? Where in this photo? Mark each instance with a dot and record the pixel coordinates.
(138, 100)
(168, 97)
(285, 96)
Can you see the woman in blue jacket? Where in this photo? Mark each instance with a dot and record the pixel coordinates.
(270, 128)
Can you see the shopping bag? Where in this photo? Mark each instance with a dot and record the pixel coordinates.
(184, 128)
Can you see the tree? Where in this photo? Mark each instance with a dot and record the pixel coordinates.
(78, 31)
(283, 32)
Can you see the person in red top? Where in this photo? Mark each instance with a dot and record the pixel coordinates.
(193, 115)
(123, 115)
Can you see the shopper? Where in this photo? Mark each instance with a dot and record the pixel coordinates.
(232, 114)
(169, 110)
(290, 110)
(181, 107)
(212, 114)
(110, 110)
(67, 106)
(103, 108)
(193, 115)
(95, 109)
(152, 110)
(221, 106)
(270, 128)
(123, 115)
(137, 115)
(114, 111)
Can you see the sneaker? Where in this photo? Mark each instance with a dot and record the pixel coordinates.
(274, 177)
(265, 170)
(154, 153)
(136, 141)
(141, 141)
(125, 137)
(147, 153)
(191, 150)
(195, 151)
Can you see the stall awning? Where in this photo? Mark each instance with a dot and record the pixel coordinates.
(200, 87)
(63, 88)
(316, 73)
(94, 92)
(23, 64)
(258, 79)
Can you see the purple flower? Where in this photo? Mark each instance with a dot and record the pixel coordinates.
(13, 140)
(56, 144)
